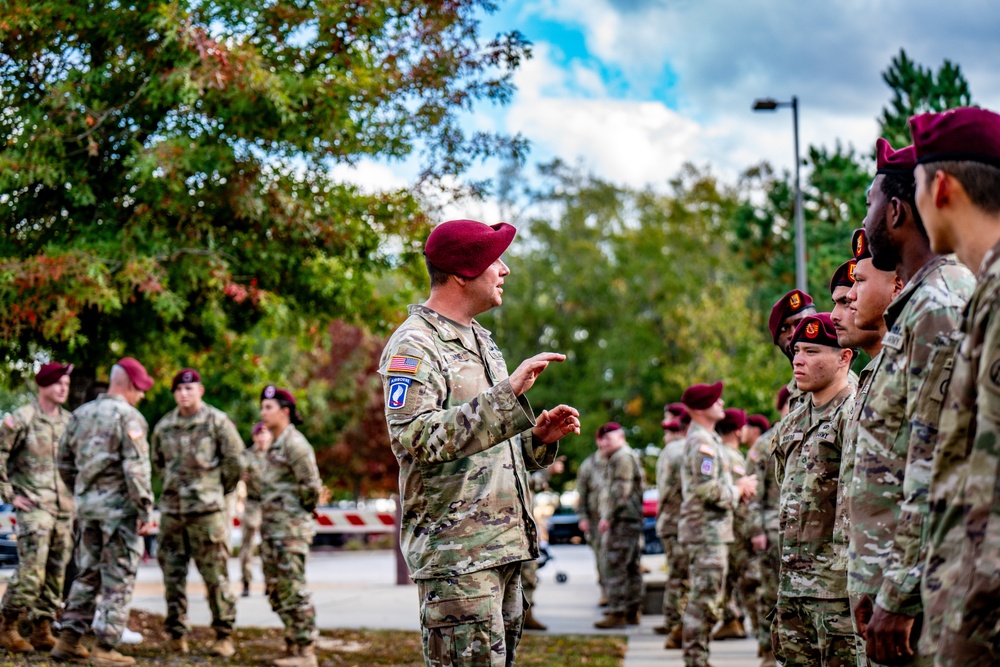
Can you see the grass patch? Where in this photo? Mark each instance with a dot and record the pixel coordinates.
(346, 648)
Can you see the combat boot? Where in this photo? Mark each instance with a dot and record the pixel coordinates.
(10, 638)
(675, 640)
(106, 655)
(223, 647)
(768, 659)
(612, 620)
(661, 629)
(532, 623)
(69, 649)
(633, 617)
(178, 645)
(246, 589)
(732, 630)
(305, 657)
(41, 635)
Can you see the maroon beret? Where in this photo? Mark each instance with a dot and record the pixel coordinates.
(676, 425)
(816, 329)
(608, 428)
(136, 373)
(843, 276)
(257, 428)
(51, 373)
(793, 302)
(280, 395)
(734, 420)
(859, 245)
(466, 248)
(702, 396)
(962, 135)
(678, 409)
(760, 421)
(185, 376)
(782, 399)
(889, 161)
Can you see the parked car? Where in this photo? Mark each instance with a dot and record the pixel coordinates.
(651, 543)
(8, 541)
(564, 527)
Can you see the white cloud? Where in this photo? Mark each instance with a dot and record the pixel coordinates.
(371, 177)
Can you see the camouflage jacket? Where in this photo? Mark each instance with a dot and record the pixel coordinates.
(841, 526)
(709, 495)
(621, 495)
(962, 579)
(897, 431)
(104, 457)
(253, 461)
(589, 479)
(762, 513)
(290, 487)
(198, 458)
(29, 442)
(463, 442)
(668, 486)
(810, 441)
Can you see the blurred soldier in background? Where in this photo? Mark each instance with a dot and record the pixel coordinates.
(589, 480)
(668, 512)
(741, 583)
(253, 460)
(762, 523)
(539, 481)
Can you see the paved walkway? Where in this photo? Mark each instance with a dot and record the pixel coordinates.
(356, 589)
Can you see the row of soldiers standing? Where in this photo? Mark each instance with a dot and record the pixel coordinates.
(881, 486)
(93, 467)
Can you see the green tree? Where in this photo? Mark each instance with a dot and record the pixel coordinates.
(165, 186)
(917, 89)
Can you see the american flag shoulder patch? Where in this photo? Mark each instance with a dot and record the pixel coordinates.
(403, 364)
(9, 422)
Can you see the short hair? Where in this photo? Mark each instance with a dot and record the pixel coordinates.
(904, 188)
(438, 276)
(980, 181)
(119, 375)
(725, 429)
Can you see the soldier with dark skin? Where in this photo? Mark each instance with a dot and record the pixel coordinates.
(29, 480)
(465, 438)
(104, 457)
(958, 198)
(253, 461)
(196, 451)
(289, 488)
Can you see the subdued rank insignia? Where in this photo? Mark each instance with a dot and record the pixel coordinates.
(135, 433)
(706, 466)
(403, 364)
(398, 387)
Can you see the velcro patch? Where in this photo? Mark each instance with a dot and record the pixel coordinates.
(739, 470)
(135, 433)
(754, 454)
(893, 341)
(403, 364)
(9, 422)
(706, 466)
(398, 387)
(706, 449)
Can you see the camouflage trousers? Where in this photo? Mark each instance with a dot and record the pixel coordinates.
(284, 561)
(594, 540)
(768, 565)
(814, 631)
(205, 539)
(529, 580)
(251, 530)
(472, 620)
(620, 547)
(917, 660)
(44, 545)
(742, 582)
(708, 564)
(678, 584)
(107, 557)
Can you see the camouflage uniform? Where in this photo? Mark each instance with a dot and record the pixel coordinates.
(198, 458)
(813, 621)
(290, 487)
(538, 482)
(960, 586)
(104, 456)
(706, 530)
(621, 508)
(762, 519)
(897, 432)
(668, 512)
(589, 479)
(741, 581)
(253, 464)
(463, 442)
(29, 440)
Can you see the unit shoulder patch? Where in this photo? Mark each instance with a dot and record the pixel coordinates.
(706, 466)
(398, 388)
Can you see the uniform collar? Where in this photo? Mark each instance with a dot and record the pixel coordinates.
(894, 309)
(991, 257)
(442, 325)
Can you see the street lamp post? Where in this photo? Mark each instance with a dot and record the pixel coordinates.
(770, 104)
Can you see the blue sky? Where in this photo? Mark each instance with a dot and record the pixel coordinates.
(633, 89)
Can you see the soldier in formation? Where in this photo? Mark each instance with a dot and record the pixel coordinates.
(668, 510)
(254, 458)
(196, 451)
